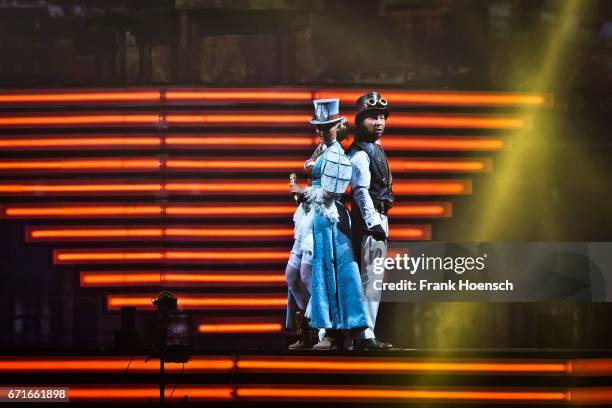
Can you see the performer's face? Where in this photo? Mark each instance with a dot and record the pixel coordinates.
(374, 124)
(328, 134)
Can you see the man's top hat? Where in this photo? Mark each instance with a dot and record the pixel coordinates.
(371, 102)
(326, 111)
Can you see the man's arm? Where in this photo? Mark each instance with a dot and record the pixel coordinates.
(360, 183)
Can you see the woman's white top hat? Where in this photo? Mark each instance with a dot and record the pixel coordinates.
(326, 111)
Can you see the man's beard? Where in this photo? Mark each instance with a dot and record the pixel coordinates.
(366, 136)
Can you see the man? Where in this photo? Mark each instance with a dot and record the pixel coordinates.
(371, 199)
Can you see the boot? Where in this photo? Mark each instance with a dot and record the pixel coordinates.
(332, 341)
(303, 330)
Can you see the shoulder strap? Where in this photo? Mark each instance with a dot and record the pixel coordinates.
(378, 158)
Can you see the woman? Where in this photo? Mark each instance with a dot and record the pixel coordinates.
(336, 295)
(298, 272)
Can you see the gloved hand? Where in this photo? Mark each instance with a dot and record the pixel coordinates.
(378, 233)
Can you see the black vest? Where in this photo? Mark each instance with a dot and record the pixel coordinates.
(381, 178)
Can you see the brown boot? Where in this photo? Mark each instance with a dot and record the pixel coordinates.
(331, 341)
(303, 330)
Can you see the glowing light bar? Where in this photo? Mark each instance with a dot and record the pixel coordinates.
(441, 165)
(442, 98)
(233, 187)
(79, 97)
(410, 232)
(261, 301)
(242, 141)
(440, 143)
(247, 118)
(421, 210)
(399, 365)
(384, 394)
(78, 165)
(192, 255)
(79, 142)
(146, 393)
(206, 210)
(113, 364)
(239, 187)
(276, 118)
(314, 364)
(432, 187)
(203, 233)
(82, 210)
(268, 95)
(229, 164)
(241, 95)
(229, 210)
(180, 278)
(140, 120)
(305, 142)
(129, 233)
(592, 367)
(240, 328)
(456, 121)
(79, 187)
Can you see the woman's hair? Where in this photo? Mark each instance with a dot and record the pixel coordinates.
(343, 130)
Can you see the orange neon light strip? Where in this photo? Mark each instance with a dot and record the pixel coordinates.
(450, 143)
(450, 121)
(226, 255)
(257, 163)
(442, 98)
(115, 302)
(399, 365)
(226, 210)
(178, 278)
(75, 120)
(78, 143)
(390, 142)
(276, 118)
(338, 364)
(260, 233)
(82, 164)
(276, 95)
(400, 210)
(108, 364)
(258, 142)
(225, 118)
(240, 187)
(79, 187)
(432, 187)
(411, 232)
(229, 187)
(144, 393)
(228, 164)
(441, 165)
(61, 211)
(241, 328)
(354, 393)
(94, 96)
(245, 141)
(241, 95)
(129, 233)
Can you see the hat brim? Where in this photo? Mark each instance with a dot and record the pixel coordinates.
(326, 122)
(360, 114)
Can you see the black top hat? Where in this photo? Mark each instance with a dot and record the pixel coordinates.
(371, 102)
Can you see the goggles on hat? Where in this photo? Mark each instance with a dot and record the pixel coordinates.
(380, 103)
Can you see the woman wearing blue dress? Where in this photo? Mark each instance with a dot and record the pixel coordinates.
(336, 296)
